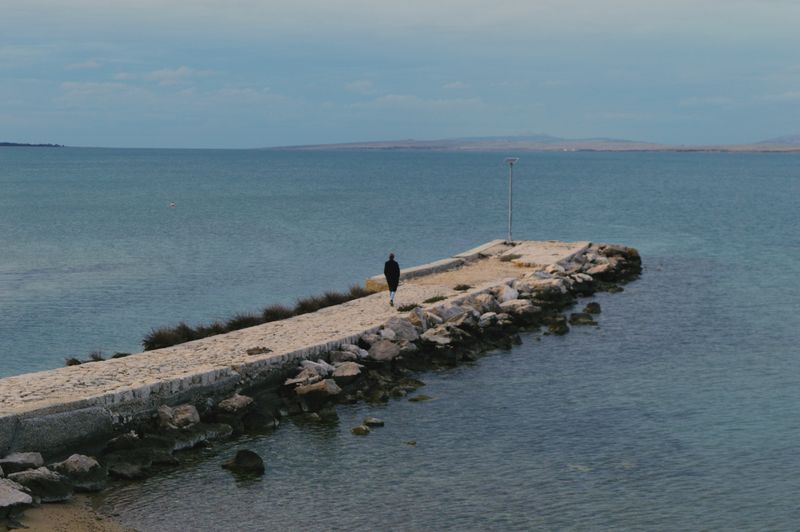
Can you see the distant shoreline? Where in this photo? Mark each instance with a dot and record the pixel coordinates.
(24, 145)
(577, 146)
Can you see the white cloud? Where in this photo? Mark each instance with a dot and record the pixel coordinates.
(706, 101)
(788, 96)
(407, 102)
(175, 76)
(361, 86)
(455, 85)
(86, 65)
(124, 76)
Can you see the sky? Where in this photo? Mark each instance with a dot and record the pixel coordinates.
(248, 73)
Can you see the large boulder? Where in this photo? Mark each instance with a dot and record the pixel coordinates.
(449, 312)
(322, 389)
(487, 319)
(16, 462)
(486, 303)
(306, 376)
(84, 472)
(178, 417)
(387, 334)
(506, 293)
(417, 318)
(337, 357)
(246, 462)
(403, 329)
(519, 307)
(44, 484)
(356, 350)
(437, 336)
(236, 404)
(346, 372)
(384, 351)
(322, 368)
(581, 318)
(12, 496)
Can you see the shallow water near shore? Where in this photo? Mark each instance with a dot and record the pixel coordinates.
(677, 412)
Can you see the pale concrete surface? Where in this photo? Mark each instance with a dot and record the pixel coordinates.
(96, 397)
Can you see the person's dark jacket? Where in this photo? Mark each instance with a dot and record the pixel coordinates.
(392, 272)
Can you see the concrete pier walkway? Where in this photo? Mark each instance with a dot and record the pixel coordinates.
(58, 408)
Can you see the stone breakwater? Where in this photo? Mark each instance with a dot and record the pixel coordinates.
(135, 414)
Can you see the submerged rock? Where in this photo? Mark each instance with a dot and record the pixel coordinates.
(360, 430)
(44, 484)
(592, 308)
(245, 461)
(420, 398)
(84, 472)
(581, 318)
(373, 422)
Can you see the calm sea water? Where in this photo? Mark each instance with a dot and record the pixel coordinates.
(678, 412)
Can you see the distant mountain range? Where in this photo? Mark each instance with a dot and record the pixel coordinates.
(544, 142)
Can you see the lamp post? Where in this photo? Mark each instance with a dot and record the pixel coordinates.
(510, 161)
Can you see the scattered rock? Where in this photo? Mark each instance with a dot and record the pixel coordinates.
(438, 335)
(581, 318)
(236, 404)
(487, 319)
(558, 325)
(448, 312)
(322, 368)
(12, 496)
(403, 329)
(324, 388)
(245, 461)
(486, 303)
(420, 398)
(411, 442)
(84, 472)
(306, 376)
(388, 334)
(417, 318)
(506, 293)
(195, 435)
(360, 430)
(177, 417)
(44, 484)
(16, 462)
(384, 351)
(369, 339)
(337, 357)
(373, 422)
(592, 308)
(346, 372)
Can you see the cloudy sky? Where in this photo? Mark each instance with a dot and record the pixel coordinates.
(249, 73)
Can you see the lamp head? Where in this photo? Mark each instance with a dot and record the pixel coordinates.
(511, 160)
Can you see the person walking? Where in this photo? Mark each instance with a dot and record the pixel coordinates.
(391, 270)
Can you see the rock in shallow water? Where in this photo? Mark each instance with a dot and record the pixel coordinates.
(592, 308)
(360, 430)
(12, 495)
(581, 318)
(16, 462)
(44, 484)
(245, 461)
(373, 422)
(84, 472)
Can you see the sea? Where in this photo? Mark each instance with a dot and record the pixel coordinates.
(680, 411)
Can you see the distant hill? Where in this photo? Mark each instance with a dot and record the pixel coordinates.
(786, 140)
(23, 145)
(542, 142)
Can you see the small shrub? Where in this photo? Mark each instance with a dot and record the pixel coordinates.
(309, 304)
(242, 321)
(357, 291)
(120, 354)
(204, 331)
(168, 336)
(72, 361)
(276, 313)
(434, 299)
(462, 287)
(509, 258)
(407, 308)
(96, 356)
